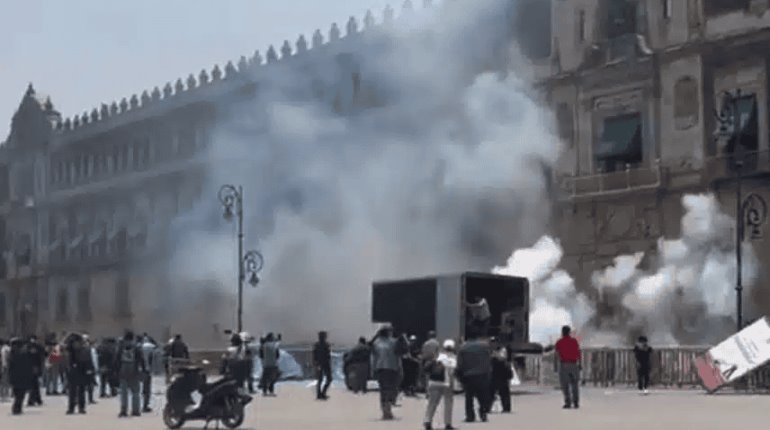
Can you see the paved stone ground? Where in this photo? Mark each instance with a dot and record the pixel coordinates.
(295, 409)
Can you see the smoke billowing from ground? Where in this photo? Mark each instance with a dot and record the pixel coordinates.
(686, 297)
(445, 175)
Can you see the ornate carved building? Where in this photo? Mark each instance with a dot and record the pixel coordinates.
(633, 83)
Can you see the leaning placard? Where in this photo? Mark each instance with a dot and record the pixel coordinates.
(735, 357)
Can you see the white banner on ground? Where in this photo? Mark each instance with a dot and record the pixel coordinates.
(738, 355)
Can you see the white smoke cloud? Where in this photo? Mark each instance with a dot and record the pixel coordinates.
(554, 300)
(686, 297)
(444, 176)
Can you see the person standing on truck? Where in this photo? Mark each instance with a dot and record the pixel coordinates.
(474, 368)
(387, 351)
(643, 355)
(322, 362)
(508, 322)
(568, 351)
(480, 315)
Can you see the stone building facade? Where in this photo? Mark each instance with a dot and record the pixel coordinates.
(633, 84)
(86, 202)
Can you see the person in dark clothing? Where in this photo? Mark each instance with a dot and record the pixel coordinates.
(179, 349)
(20, 373)
(130, 367)
(249, 347)
(386, 353)
(410, 366)
(501, 376)
(148, 346)
(88, 346)
(80, 370)
(105, 354)
(357, 366)
(322, 361)
(176, 353)
(568, 351)
(236, 361)
(37, 357)
(643, 355)
(474, 368)
(269, 353)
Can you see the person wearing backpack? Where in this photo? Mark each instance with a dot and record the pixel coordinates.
(440, 372)
(80, 371)
(130, 367)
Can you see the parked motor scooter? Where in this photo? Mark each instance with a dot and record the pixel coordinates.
(221, 400)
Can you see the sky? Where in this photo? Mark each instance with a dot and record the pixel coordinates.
(83, 53)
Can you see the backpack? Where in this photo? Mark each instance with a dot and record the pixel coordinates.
(128, 355)
(436, 371)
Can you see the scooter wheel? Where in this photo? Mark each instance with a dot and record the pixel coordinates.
(235, 416)
(171, 418)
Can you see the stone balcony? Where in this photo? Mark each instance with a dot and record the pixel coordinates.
(586, 187)
(722, 167)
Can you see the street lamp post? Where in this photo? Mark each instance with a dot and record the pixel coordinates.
(730, 128)
(232, 201)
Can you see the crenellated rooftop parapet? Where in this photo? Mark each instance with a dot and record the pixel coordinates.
(243, 67)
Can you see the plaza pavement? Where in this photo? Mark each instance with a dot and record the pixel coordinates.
(295, 408)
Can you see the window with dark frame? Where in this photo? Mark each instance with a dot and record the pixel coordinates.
(620, 143)
(747, 134)
(533, 28)
(582, 26)
(621, 18)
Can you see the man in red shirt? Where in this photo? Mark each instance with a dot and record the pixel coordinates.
(568, 352)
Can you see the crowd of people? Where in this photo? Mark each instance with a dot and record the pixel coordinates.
(75, 366)
(401, 365)
(123, 367)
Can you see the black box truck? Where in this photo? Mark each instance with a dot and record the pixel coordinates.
(439, 303)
